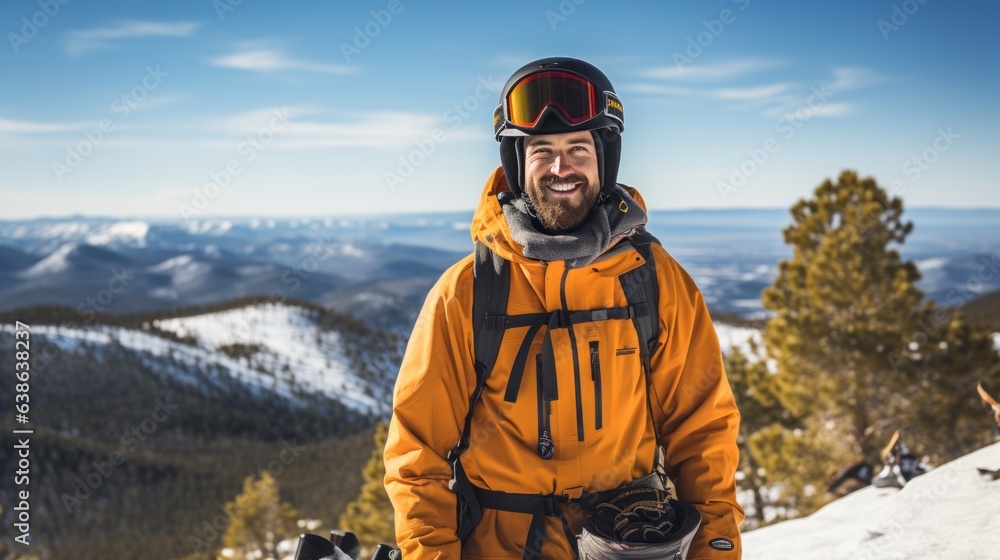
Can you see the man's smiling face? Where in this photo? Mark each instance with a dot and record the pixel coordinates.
(561, 178)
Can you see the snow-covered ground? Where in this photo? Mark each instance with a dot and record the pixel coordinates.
(950, 513)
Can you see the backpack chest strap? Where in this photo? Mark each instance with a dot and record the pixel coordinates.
(558, 319)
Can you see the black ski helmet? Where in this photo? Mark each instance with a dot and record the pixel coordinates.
(593, 106)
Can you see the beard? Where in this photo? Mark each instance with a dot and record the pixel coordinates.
(562, 213)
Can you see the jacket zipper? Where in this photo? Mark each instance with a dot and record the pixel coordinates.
(595, 374)
(545, 445)
(576, 360)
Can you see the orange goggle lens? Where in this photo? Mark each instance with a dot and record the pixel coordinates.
(570, 94)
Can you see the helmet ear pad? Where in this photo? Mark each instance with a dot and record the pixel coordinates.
(608, 143)
(512, 158)
(608, 147)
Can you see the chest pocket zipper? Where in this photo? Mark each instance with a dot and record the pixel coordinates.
(546, 447)
(595, 375)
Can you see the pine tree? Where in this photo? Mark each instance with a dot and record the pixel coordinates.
(758, 410)
(858, 352)
(370, 516)
(772, 443)
(946, 356)
(843, 304)
(258, 520)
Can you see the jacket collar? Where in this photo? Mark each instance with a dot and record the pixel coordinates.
(490, 225)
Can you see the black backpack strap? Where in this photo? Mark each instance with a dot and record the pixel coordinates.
(641, 290)
(539, 507)
(491, 288)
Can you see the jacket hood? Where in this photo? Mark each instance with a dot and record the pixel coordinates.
(489, 225)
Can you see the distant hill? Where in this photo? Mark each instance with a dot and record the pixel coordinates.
(107, 265)
(189, 402)
(984, 310)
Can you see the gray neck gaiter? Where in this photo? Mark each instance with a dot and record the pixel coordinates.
(606, 224)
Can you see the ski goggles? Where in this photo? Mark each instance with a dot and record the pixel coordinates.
(576, 99)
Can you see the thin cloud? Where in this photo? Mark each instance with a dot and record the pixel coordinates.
(168, 195)
(853, 78)
(289, 128)
(88, 40)
(22, 127)
(774, 101)
(263, 60)
(824, 110)
(844, 79)
(709, 72)
(314, 128)
(371, 130)
(657, 89)
(13, 126)
(759, 92)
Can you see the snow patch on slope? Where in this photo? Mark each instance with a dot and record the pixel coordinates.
(294, 356)
(186, 273)
(291, 347)
(123, 233)
(933, 263)
(55, 262)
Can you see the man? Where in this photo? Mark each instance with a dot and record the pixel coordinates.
(575, 401)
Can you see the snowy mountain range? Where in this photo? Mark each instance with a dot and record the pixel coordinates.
(382, 267)
(95, 265)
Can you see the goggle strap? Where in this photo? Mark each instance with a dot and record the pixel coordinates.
(613, 107)
(499, 120)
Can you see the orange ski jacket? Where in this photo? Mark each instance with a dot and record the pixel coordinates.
(600, 423)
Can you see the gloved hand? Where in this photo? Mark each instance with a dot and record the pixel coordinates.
(639, 515)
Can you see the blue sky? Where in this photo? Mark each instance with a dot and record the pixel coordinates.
(250, 108)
